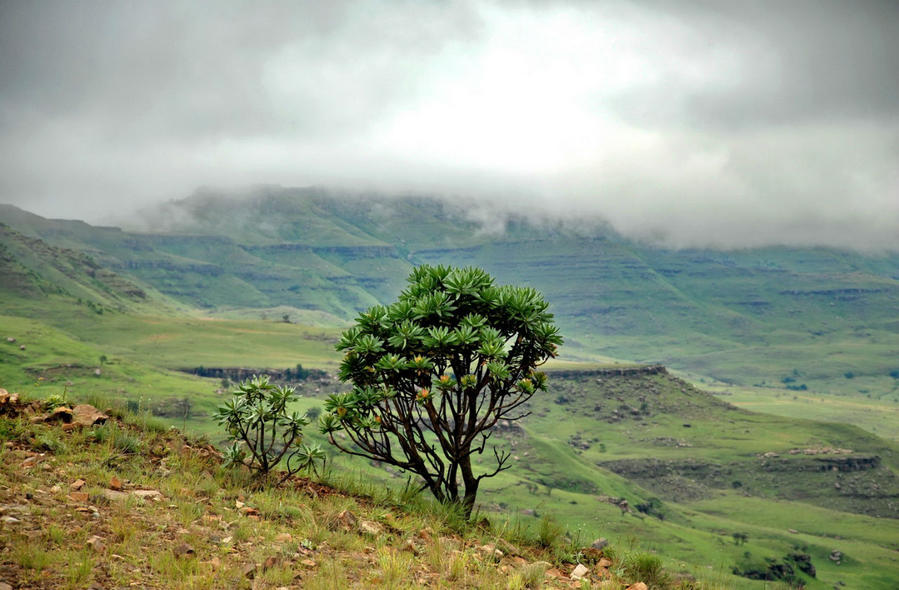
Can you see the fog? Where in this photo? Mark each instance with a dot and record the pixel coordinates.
(687, 123)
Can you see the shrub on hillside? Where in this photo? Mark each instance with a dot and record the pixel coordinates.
(263, 432)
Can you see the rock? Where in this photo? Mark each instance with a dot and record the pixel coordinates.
(249, 570)
(154, 495)
(600, 543)
(114, 495)
(346, 519)
(411, 547)
(308, 563)
(10, 520)
(96, 544)
(115, 484)
(77, 484)
(637, 586)
(556, 573)
(5, 586)
(249, 511)
(183, 550)
(59, 414)
(88, 415)
(78, 496)
(426, 534)
(97, 372)
(55, 489)
(604, 562)
(491, 551)
(792, 531)
(22, 347)
(270, 562)
(370, 528)
(10, 339)
(283, 538)
(579, 572)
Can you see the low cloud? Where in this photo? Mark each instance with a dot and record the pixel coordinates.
(687, 123)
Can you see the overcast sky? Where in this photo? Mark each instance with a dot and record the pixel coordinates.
(693, 122)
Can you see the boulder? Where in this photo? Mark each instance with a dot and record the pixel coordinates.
(88, 415)
(580, 571)
(600, 543)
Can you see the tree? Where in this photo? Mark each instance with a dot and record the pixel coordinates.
(435, 371)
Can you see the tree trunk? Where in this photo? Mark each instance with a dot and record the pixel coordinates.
(471, 492)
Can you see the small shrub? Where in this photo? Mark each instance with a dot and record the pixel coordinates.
(54, 401)
(550, 532)
(257, 421)
(643, 567)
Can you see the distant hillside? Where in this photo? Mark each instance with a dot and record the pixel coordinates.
(32, 268)
(781, 317)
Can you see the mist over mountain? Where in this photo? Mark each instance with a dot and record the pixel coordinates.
(683, 123)
(742, 316)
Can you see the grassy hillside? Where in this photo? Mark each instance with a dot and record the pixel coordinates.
(581, 452)
(813, 320)
(132, 504)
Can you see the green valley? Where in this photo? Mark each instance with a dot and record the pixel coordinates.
(770, 430)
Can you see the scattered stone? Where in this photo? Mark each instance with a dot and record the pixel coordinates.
(238, 504)
(270, 562)
(115, 484)
(249, 511)
(88, 415)
(77, 484)
(5, 586)
(115, 495)
(604, 562)
(426, 534)
(346, 519)
(249, 570)
(154, 495)
(579, 572)
(59, 414)
(78, 496)
(370, 528)
(600, 543)
(637, 586)
(96, 543)
(184, 550)
(491, 551)
(410, 546)
(792, 531)
(10, 519)
(283, 538)
(97, 372)
(556, 573)
(55, 489)
(10, 339)
(308, 563)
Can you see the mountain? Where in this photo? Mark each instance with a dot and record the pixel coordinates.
(771, 317)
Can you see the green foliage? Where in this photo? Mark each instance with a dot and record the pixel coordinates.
(257, 421)
(550, 532)
(435, 371)
(644, 567)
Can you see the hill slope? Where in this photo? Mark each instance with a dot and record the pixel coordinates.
(774, 317)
